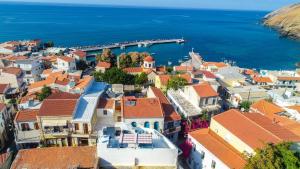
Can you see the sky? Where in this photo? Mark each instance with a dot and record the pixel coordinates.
(209, 4)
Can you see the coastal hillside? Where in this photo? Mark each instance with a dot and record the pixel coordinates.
(286, 20)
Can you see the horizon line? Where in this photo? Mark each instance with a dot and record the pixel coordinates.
(94, 5)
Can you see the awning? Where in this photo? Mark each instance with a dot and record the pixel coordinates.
(54, 122)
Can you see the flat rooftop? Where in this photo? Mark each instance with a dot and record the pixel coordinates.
(184, 105)
(88, 102)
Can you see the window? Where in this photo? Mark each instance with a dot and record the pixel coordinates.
(147, 124)
(104, 112)
(86, 129)
(25, 126)
(156, 125)
(202, 155)
(76, 126)
(213, 164)
(36, 126)
(206, 101)
(214, 101)
(133, 124)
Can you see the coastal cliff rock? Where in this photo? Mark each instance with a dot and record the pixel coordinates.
(286, 20)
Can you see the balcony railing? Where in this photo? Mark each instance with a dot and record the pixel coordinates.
(57, 132)
(173, 130)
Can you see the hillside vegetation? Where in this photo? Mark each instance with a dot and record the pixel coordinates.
(286, 20)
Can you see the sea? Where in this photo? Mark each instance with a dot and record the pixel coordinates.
(217, 35)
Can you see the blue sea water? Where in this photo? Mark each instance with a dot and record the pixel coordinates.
(215, 34)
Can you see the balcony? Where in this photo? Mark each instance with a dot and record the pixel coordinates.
(31, 136)
(172, 130)
(56, 132)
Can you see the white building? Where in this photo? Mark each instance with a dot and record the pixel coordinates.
(32, 69)
(143, 112)
(124, 146)
(27, 133)
(67, 64)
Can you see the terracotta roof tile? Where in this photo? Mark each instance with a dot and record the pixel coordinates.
(205, 90)
(141, 108)
(56, 157)
(262, 79)
(245, 129)
(218, 147)
(265, 107)
(80, 53)
(105, 65)
(169, 112)
(59, 104)
(2, 106)
(66, 59)
(183, 68)
(149, 59)
(26, 115)
(208, 74)
(12, 70)
(217, 64)
(272, 127)
(286, 78)
(84, 82)
(4, 158)
(106, 103)
(3, 88)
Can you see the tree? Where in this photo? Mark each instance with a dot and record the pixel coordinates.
(245, 105)
(279, 156)
(46, 91)
(125, 61)
(81, 65)
(176, 83)
(49, 44)
(107, 56)
(114, 76)
(141, 79)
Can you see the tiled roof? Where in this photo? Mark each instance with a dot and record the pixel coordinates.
(141, 108)
(84, 82)
(15, 58)
(205, 90)
(3, 87)
(217, 64)
(56, 157)
(12, 70)
(183, 68)
(104, 65)
(59, 104)
(4, 158)
(133, 69)
(273, 127)
(66, 59)
(105, 103)
(80, 53)
(26, 115)
(149, 59)
(47, 71)
(169, 112)
(165, 78)
(208, 74)
(245, 129)
(271, 111)
(2, 106)
(262, 79)
(287, 78)
(265, 107)
(218, 147)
